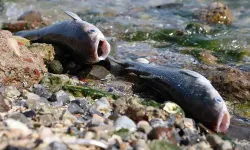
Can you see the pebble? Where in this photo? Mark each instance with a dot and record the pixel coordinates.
(58, 146)
(144, 126)
(102, 105)
(35, 102)
(3, 106)
(42, 91)
(30, 113)
(123, 122)
(83, 103)
(217, 143)
(11, 92)
(96, 120)
(17, 125)
(62, 96)
(161, 133)
(46, 120)
(157, 122)
(66, 115)
(20, 117)
(75, 109)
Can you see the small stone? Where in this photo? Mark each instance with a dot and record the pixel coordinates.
(106, 129)
(144, 126)
(42, 91)
(161, 133)
(142, 60)
(98, 72)
(3, 106)
(35, 102)
(30, 113)
(58, 146)
(75, 109)
(55, 67)
(157, 122)
(83, 103)
(103, 106)
(96, 120)
(46, 120)
(89, 135)
(123, 122)
(17, 125)
(62, 96)
(45, 133)
(11, 92)
(216, 142)
(66, 115)
(141, 145)
(201, 145)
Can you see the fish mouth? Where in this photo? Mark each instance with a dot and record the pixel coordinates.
(102, 50)
(224, 121)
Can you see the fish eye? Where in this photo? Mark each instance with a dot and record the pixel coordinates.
(218, 99)
(91, 31)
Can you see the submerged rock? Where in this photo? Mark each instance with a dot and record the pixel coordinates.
(216, 13)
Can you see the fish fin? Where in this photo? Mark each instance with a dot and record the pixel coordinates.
(191, 73)
(72, 15)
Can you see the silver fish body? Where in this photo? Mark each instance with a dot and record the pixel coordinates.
(86, 41)
(192, 91)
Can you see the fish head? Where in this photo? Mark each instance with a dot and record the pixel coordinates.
(216, 108)
(98, 47)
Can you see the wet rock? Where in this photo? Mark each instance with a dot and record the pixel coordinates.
(19, 117)
(31, 16)
(75, 109)
(16, 26)
(17, 126)
(161, 133)
(103, 130)
(57, 146)
(46, 120)
(123, 122)
(3, 106)
(216, 13)
(207, 58)
(113, 45)
(98, 72)
(1, 6)
(217, 143)
(144, 126)
(46, 51)
(42, 91)
(21, 67)
(233, 84)
(194, 29)
(84, 104)
(55, 66)
(61, 97)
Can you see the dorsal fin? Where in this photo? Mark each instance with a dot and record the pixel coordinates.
(72, 15)
(191, 73)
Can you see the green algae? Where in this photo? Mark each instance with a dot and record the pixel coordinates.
(151, 103)
(80, 91)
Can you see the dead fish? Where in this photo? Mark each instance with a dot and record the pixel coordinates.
(86, 41)
(189, 89)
